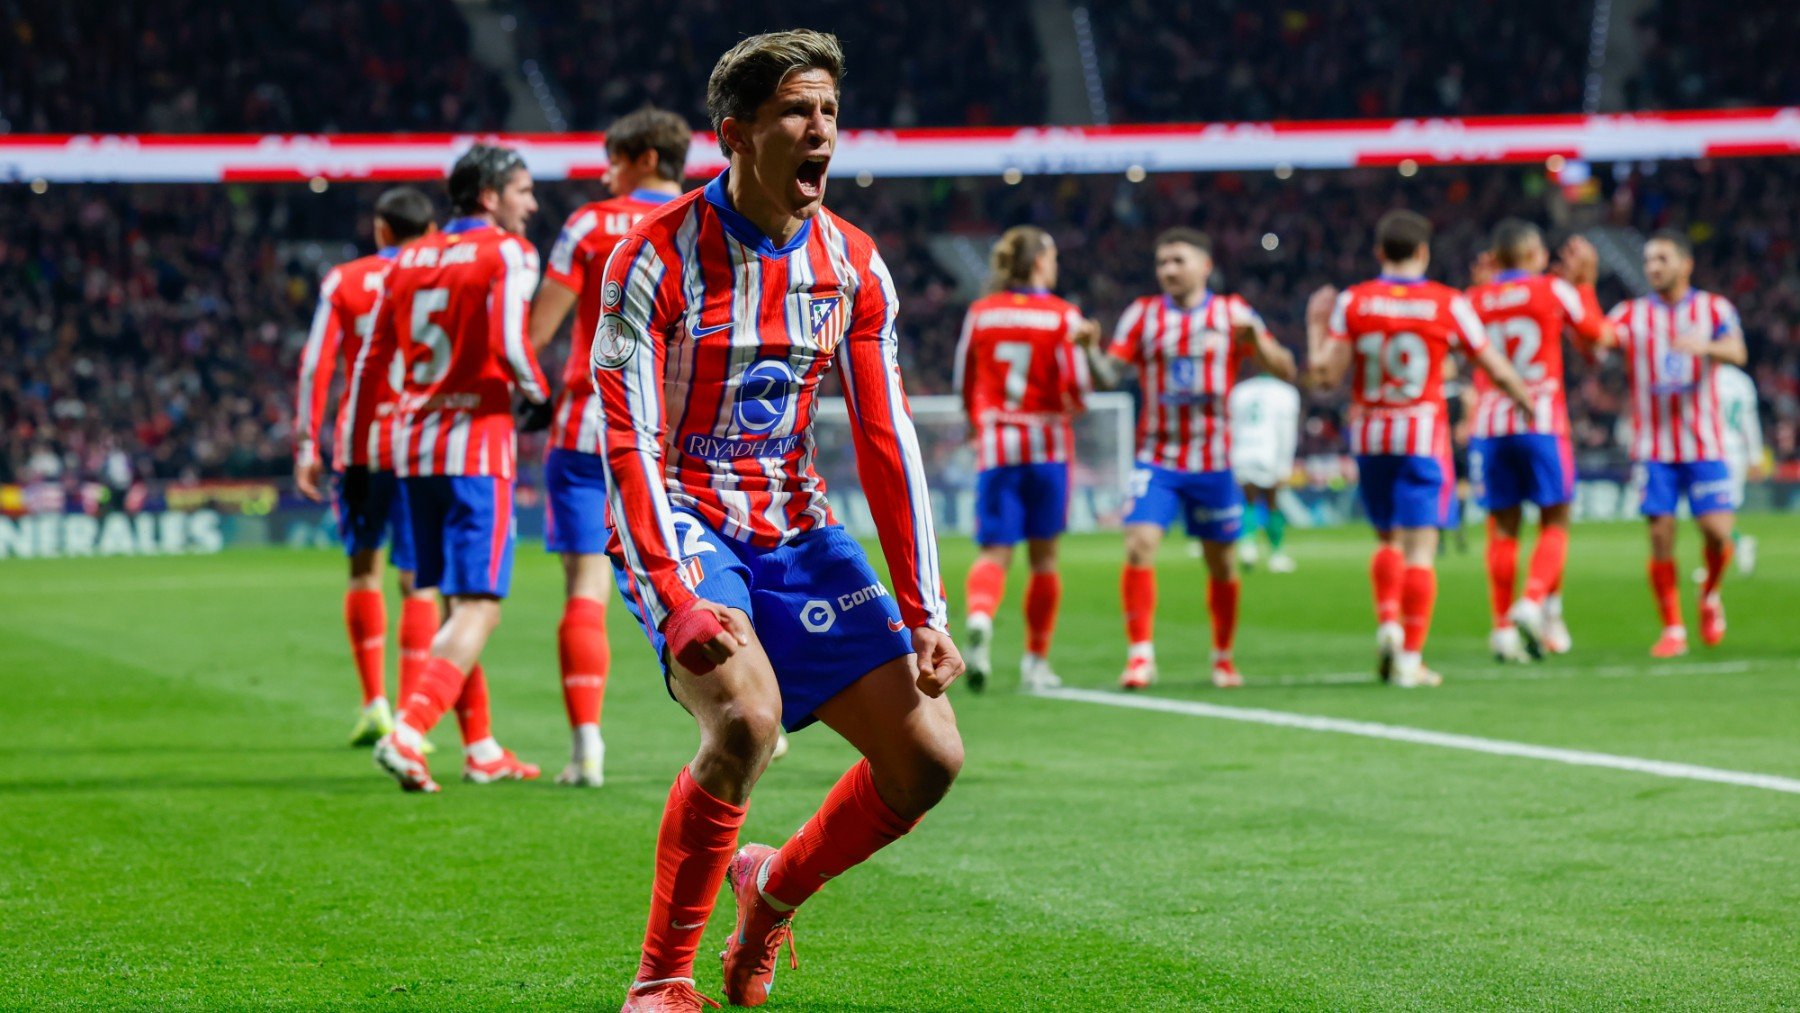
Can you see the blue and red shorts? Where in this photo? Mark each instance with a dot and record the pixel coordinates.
(1524, 467)
(1210, 503)
(823, 616)
(372, 512)
(464, 532)
(1706, 484)
(575, 502)
(1406, 491)
(1021, 501)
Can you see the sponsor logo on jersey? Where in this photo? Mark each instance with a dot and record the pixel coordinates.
(846, 602)
(725, 448)
(611, 294)
(612, 344)
(764, 394)
(817, 615)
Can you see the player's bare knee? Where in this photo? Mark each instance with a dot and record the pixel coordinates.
(920, 779)
(746, 729)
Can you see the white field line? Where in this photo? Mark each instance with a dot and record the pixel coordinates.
(1420, 736)
(1508, 673)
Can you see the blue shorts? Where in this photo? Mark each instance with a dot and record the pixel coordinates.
(1525, 467)
(822, 614)
(463, 529)
(1706, 484)
(1406, 491)
(1020, 501)
(1210, 502)
(371, 510)
(575, 502)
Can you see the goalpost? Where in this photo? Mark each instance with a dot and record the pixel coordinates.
(1103, 456)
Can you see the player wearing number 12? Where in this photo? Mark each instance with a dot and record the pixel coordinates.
(1022, 378)
(1394, 333)
(454, 313)
(1518, 457)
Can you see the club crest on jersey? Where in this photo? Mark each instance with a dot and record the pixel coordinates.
(825, 320)
(612, 343)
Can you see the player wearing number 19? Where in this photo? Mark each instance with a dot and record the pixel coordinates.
(1022, 378)
(454, 313)
(1396, 332)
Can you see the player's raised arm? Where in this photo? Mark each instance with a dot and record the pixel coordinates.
(1107, 364)
(317, 361)
(1577, 270)
(1248, 329)
(1327, 337)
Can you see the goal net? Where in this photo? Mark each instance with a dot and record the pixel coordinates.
(1103, 452)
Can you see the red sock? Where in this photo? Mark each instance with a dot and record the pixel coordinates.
(439, 685)
(986, 586)
(1663, 586)
(581, 646)
(1503, 573)
(1718, 557)
(1384, 575)
(1547, 562)
(1137, 588)
(1418, 594)
(472, 708)
(1042, 596)
(418, 625)
(365, 616)
(851, 825)
(693, 848)
(1222, 598)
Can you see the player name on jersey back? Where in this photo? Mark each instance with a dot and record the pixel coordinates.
(1400, 331)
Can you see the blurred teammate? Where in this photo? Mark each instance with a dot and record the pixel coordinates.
(1520, 457)
(1022, 379)
(1394, 334)
(1673, 341)
(1743, 451)
(647, 153)
(1186, 345)
(454, 318)
(370, 505)
(1265, 428)
(724, 311)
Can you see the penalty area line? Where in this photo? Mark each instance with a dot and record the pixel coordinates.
(1425, 737)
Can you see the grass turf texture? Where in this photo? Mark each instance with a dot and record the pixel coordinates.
(182, 826)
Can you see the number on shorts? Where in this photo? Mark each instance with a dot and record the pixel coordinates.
(688, 534)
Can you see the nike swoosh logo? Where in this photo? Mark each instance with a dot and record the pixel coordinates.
(896, 625)
(701, 332)
(675, 924)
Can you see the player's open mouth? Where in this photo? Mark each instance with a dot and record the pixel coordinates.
(811, 176)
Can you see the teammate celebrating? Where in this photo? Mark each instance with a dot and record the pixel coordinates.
(646, 153)
(1265, 428)
(722, 313)
(1022, 378)
(1673, 341)
(371, 506)
(1187, 345)
(1518, 457)
(454, 314)
(1396, 332)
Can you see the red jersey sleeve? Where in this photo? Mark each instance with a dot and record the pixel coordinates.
(964, 379)
(571, 255)
(317, 361)
(1072, 364)
(514, 285)
(1127, 343)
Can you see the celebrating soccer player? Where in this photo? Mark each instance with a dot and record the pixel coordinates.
(1265, 430)
(454, 315)
(1022, 378)
(1518, 457)
(1673, 341)
(371, 505)
(1394, 334)
(720, 315)
(646, 153)
(1187, 345)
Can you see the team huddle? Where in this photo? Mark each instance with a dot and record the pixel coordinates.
(681, 467)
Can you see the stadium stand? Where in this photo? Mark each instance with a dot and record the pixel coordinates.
(1692, 56)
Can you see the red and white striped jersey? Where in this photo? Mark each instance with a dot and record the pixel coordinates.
(1675, 414)
(1525, 315)
(1187, 362)
(340, 326)
(1400, 332)
(1021, 377)
(454, 315)
(711, 345)
(576, 262)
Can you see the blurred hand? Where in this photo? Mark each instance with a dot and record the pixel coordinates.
(1578, 262)
(532, 416)
(1319, 306)
(1692, 342)
(936, 659)
(306, 478)
(1087, 333)
(1484, 269)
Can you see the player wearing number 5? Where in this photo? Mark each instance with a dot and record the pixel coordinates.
(1022, 378)
(454, 314)
(1518, 456)
(1394, 334)
(1186, 345)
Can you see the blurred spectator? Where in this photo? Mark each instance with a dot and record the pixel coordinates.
(1704, 55)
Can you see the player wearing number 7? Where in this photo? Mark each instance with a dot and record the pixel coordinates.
(1518, 456)
(454, 313)
(1394, 334)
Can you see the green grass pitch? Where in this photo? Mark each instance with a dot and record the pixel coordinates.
(181, 825)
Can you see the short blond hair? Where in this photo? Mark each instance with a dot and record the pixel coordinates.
(750, 71)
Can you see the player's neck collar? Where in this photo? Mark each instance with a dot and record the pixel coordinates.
(644, 195)
(1206, 298)
(388, 252)
(468, 223)
(1514, 274)
(1396, 279)
(1028, 290)
(746, 231)
(1656, 297)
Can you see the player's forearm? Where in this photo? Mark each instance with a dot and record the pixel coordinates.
(1103, 368)
(640, 509)
(548, 311)
(1731, 350)
(1327, 363)
(1274, 358)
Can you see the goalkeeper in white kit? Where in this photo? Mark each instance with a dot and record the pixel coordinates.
(1265, 426)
